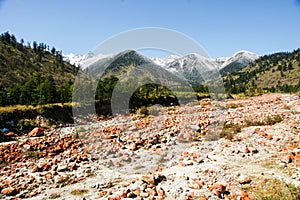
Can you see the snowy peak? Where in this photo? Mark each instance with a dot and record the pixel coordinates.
(236, 62)
(77, 59)
(164, 61)
(174, 63)
(243, 57)
(83, 61)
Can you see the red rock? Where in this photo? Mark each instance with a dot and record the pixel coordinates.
(148, 179)
(243, 195)
(10, 191)
(10, 134)
(151, 192)
(133, 147)
(46, 166)
(124, 193)
(137, 191)
(160, 192)
(286, 159)
(57, 149)
(270, 137)
(36, 132)
(102, 193)
(247, 150)
(218, 189)
(35, 169)
(254, 150)
(159, 178)
(131, 195)
(264, 134)
(256, 130)
(196, 185)
(244, 179)
(48, 176)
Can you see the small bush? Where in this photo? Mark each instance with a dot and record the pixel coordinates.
(273, 120)
(268, 121)
(143, 111)
(32, 154)
(229, 130)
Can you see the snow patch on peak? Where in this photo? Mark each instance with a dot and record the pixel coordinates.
(244, 57)
(164, 61)
(85, 60)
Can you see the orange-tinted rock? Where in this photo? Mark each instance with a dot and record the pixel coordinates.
(256, 130)
(244, 179)
(131, 195)
(35, 169)
(148, 179)
(286, 159)
(160, 192)
(10, 134)
(133, 147)
(36, 132)
(10, 191)
(270, 137)
(243, 195)
(247, 150)
(124, 193)
(159, 178)
(57, 149)
(151, 192)
(264, 134)
(254, 150)
(102, 193)
(218, 189)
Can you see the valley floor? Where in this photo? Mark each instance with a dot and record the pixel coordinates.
(176, 153)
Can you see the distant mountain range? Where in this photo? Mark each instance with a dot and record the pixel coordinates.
(239, 59)
(243, 72)
(187, 67)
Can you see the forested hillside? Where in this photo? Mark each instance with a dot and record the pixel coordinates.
(279, 72)
(33, 73)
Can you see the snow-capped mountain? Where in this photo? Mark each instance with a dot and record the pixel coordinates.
(236, 62)
(77, 59)
(84, 61)
(243, 57)
(164, 61)
(187, 66)
(193, 67)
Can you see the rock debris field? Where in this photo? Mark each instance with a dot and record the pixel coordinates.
(196, 151)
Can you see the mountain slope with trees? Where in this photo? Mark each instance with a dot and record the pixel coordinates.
(33, 74)
(279, 72)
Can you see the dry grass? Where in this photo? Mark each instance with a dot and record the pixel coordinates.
(229, 130)
(54, 196)
(273, 189)
(78, 192)
(267, 121)
(9, 109)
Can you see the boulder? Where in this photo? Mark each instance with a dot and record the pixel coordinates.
(10, 191)
(36, 132)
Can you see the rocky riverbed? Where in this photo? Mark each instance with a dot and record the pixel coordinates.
(175, 153)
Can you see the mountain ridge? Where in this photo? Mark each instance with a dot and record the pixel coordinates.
(86, 59)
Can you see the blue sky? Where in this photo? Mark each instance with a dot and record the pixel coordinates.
(222, 27)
